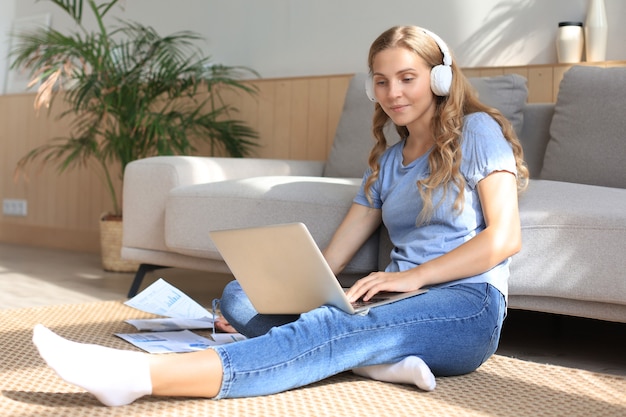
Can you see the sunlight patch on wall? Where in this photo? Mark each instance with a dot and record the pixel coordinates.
(497, 33)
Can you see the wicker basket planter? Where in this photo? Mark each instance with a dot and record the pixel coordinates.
(111, 246)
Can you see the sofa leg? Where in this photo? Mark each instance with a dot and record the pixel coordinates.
(141, 272)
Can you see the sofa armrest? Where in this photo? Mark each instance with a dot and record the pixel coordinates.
(536, 134)
(147, 183)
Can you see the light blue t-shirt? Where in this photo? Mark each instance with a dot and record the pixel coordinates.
(484, 150)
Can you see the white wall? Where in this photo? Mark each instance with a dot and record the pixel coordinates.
(6, 17)
(298, 37)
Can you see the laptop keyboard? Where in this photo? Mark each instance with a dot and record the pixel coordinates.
(375, 299)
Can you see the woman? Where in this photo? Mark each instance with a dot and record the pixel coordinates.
(447, 193)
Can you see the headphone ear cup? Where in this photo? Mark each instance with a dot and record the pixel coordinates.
(369, 88)
(441, 80)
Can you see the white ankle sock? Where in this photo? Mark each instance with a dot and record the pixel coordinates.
(410, 370)
(115, 377)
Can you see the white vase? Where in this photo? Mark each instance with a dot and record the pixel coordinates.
(596, 30)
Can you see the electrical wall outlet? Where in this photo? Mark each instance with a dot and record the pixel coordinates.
(14, 207)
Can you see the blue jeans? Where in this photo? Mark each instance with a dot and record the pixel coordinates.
(453, 329)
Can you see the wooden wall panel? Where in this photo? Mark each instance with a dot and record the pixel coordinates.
(60, 214)
(543, 85)
(296, 118)
(317, 120)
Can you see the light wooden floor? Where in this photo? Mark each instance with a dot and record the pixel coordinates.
(32, 276)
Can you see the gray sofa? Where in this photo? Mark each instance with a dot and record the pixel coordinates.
(573, 214)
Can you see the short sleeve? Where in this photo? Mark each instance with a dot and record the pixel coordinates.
(485, 149)
(361, 197)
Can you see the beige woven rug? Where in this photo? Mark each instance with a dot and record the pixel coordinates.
(501, 387)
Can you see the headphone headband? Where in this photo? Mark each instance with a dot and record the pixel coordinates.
(447, 59)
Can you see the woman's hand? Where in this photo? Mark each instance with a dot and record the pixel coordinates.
(222, 325)
(376, 282)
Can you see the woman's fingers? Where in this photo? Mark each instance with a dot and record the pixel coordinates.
(365, 287)
(223, 326)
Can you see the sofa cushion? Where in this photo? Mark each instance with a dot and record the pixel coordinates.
(320, 203)
(574, 240)
(353, 138)
(507, 93)
(588, 130)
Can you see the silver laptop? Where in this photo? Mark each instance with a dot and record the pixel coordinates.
(282, 270)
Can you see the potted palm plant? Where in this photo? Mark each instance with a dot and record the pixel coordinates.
(131, 94)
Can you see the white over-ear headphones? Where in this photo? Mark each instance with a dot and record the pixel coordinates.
(440, 75)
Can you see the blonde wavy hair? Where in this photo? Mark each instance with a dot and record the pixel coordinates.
(445, 159)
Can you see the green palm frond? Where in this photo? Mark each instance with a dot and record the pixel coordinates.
(132, 93)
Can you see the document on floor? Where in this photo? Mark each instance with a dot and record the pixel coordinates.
(171, 333)
(176, 342)
(165, 300)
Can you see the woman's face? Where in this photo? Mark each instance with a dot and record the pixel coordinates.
(402, 87)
